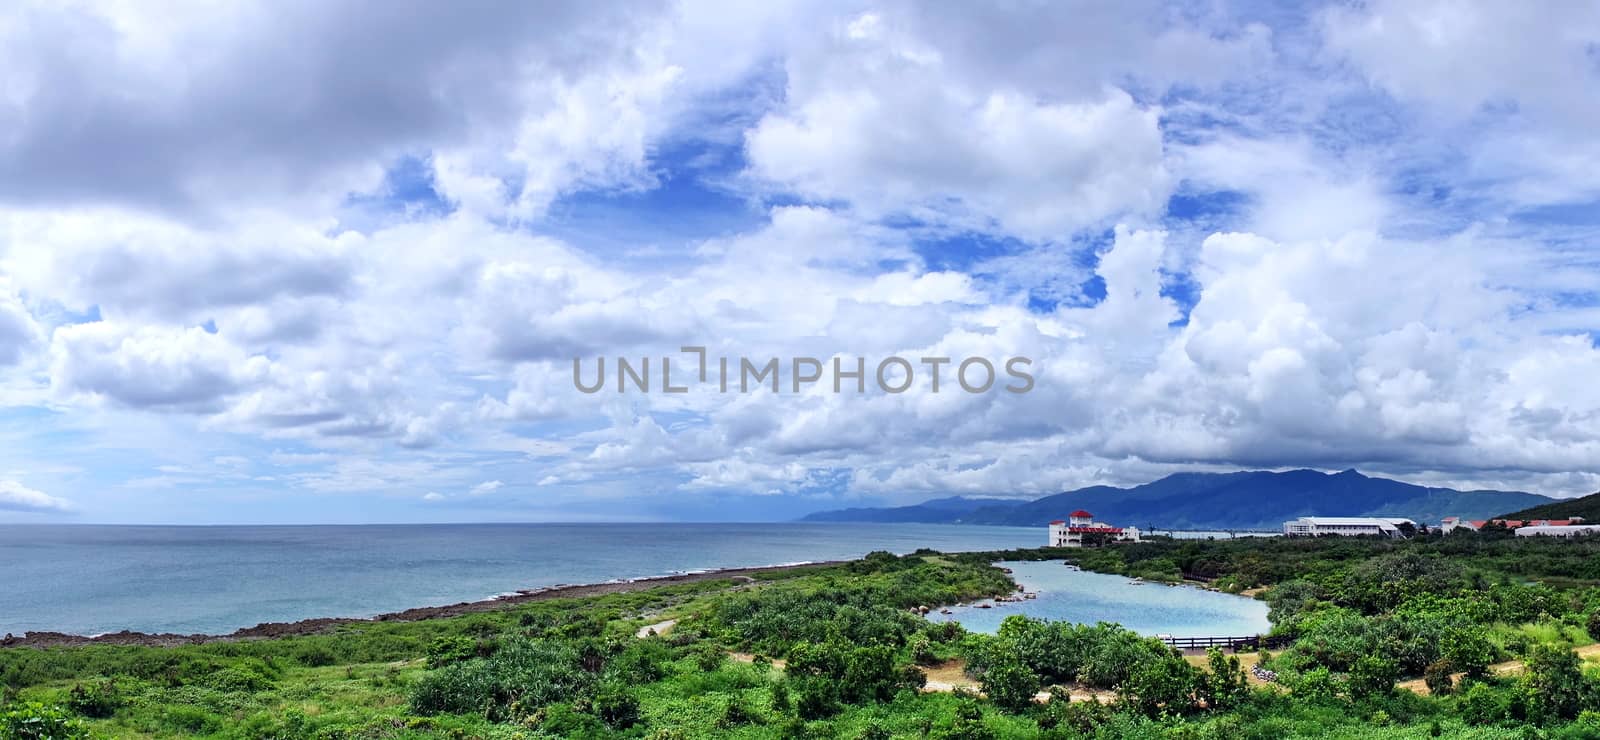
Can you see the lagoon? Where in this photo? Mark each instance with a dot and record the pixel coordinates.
(1068, 594)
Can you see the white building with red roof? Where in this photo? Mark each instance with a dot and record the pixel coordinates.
(1080, 528)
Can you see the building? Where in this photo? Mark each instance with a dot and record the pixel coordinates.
(1080, 529)
(1452, 523)
(1558, 530)
(1348, 526)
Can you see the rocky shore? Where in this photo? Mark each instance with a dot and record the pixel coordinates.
(268, 630)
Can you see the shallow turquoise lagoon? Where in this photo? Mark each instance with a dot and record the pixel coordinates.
(1068, 594)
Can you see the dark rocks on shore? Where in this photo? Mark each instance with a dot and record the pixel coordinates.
(269, 630)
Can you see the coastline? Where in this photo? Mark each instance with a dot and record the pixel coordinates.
(316, 625)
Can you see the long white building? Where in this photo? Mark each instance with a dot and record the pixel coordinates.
(1349, 526)
(1558, 530)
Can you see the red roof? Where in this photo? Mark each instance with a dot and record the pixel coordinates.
(1081, 513)
(1059, 521)
(1096, 530)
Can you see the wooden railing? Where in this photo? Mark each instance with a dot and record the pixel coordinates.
(1255, 642)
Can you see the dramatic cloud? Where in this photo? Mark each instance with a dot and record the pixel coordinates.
(199, 103)
(335, 260)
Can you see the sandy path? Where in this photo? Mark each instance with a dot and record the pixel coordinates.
(1508, 668)
(951, 675)
(659, 628)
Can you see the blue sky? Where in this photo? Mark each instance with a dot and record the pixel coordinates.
(299, 265)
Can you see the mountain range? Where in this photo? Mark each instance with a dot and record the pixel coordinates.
(1242, 500)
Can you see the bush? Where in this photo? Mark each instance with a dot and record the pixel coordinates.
(1482, 704)
(1372, 675)
(1554, 683)
(617, 707)
(96, 700)
(34, 721)
(1438, 679)
(1166, 683)
(968, 723)
(451, 649)
(1317, 684)
(1010, 685)
(523, 676)
(709, 657)
(1224, 685)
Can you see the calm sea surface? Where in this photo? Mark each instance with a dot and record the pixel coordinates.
(1072, 595)
(95, 579)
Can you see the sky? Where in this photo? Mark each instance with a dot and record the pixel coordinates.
(333, 261)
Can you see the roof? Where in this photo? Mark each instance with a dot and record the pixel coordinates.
(1081, 514)
(1559, 529)
(1355, 520)
(1058, 521)
(1095, 530)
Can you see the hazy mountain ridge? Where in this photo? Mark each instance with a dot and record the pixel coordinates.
(1242, 500)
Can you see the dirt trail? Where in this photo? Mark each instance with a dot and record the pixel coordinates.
(952, 675)
(659, 628)
(1508, 668)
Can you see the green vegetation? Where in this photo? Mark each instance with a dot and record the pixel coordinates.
(1587, 507)
(1484, 628)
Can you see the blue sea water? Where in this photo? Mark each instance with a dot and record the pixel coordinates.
(96, 579)
(1071, 595)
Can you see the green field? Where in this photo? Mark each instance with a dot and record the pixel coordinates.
(1485, 632)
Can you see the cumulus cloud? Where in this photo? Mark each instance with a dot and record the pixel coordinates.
(895, 136)
(16, 497)
(19, 332)
(147, 367)
(1222, 242)
(200, 104)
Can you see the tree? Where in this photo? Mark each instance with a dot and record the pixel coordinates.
(1372, 675)
(1554, 682)
(1468, 649)
(1164, 683)
(1224, 684)
(1010, 684)
(1438, 679)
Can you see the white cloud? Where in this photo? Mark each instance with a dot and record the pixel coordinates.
(149, 367)
(910, 145)
(16, 497)
(199, 105)
(1344, 282)
(19, 332)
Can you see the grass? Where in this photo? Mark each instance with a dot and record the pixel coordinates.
(361, 682)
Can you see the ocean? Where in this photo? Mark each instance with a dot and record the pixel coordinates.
(88, 579)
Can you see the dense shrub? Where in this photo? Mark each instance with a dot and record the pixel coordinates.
(97, 700)
(524, 675)
(1010, 684)
(34, 721)
(1372, 675)
(1437, 677)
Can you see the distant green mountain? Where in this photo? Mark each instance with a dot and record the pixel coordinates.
(1587, 507)
(1242, 500)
